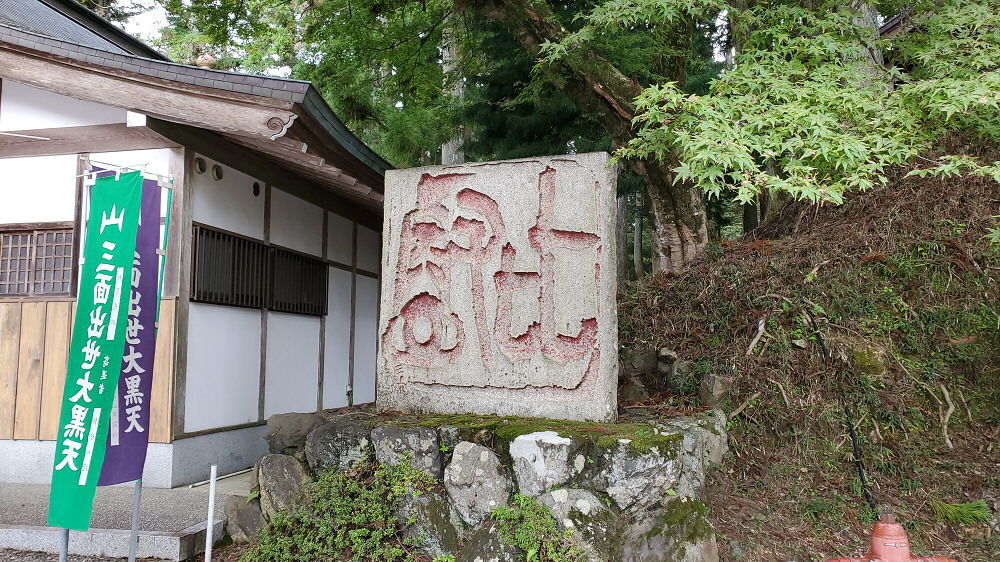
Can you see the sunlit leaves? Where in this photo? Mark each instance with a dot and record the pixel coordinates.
(807, 112)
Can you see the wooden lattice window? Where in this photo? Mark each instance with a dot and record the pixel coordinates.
(298, 283)
(229, 269)
(237, 271)
(36, 260)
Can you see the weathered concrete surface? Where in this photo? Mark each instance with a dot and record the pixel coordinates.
(499, 289)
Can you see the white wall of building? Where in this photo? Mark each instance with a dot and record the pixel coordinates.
(25, 108)
(223, 367)
(228, 203)
(365, 338)
(38, 189)
(369, 249)
(291, 381)
(296, 224)
(293, 345)
(337, 347)
(339, 239)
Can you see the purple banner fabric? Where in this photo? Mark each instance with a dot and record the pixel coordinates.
(128, 435)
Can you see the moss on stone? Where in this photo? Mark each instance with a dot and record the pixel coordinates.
(867, 361)
(686, 513)
(641, 438)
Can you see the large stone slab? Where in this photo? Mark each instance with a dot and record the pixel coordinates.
(499, 289)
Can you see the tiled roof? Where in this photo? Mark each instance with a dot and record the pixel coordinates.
(284, 89)
(276, 88)
(39, 17)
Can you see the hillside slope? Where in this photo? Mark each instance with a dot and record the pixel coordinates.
(905, 290)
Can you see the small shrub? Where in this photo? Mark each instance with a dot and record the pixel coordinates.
(528, 525)
(346, 516)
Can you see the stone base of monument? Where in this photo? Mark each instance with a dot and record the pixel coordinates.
(628, 492)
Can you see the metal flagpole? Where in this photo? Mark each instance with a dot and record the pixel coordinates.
(63, 545)
(133, 543)
(210, 527)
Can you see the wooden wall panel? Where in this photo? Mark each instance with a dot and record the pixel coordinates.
(58, 325)
(34, 348)
(10, 337)
(161, 401)
(31, 352)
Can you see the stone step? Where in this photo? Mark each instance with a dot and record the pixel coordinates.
(159, 545)
(171, 523)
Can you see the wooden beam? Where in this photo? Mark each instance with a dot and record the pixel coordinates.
(309, 132)
(284, 149)
(144, 94)
(180, 246)
(258, 166)
(315, 166)
(73, 140)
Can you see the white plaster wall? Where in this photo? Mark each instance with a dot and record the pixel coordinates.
(291, 381)
(223, 367)
(228, 203)
(24, 108)
(369, 249)
(365, 339)
(296, 224)
(340, 239)
(37, 189)
(337, 358)
(155, 160)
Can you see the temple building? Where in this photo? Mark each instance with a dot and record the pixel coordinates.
(271, 277)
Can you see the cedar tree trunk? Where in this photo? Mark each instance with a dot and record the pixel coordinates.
(597, 87)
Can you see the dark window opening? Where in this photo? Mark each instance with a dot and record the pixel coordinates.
(236, 271)
(298, 283)
(229, 269)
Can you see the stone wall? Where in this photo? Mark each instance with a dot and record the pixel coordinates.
(628, 492)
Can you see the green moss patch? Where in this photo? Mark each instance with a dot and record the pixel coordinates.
(501, 430)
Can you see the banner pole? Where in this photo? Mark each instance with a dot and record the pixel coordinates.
(133, 543)
(63, 545)
(210, 527)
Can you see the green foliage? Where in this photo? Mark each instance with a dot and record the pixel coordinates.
(808, 111)
(528, 525)
(962, 513)
(993, 236)
(345, 516)
(117, 12)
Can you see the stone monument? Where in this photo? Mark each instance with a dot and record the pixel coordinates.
(498, 289)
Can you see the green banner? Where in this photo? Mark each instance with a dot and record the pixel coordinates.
(96, 348)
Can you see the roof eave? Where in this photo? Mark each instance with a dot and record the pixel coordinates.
(319, 111)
